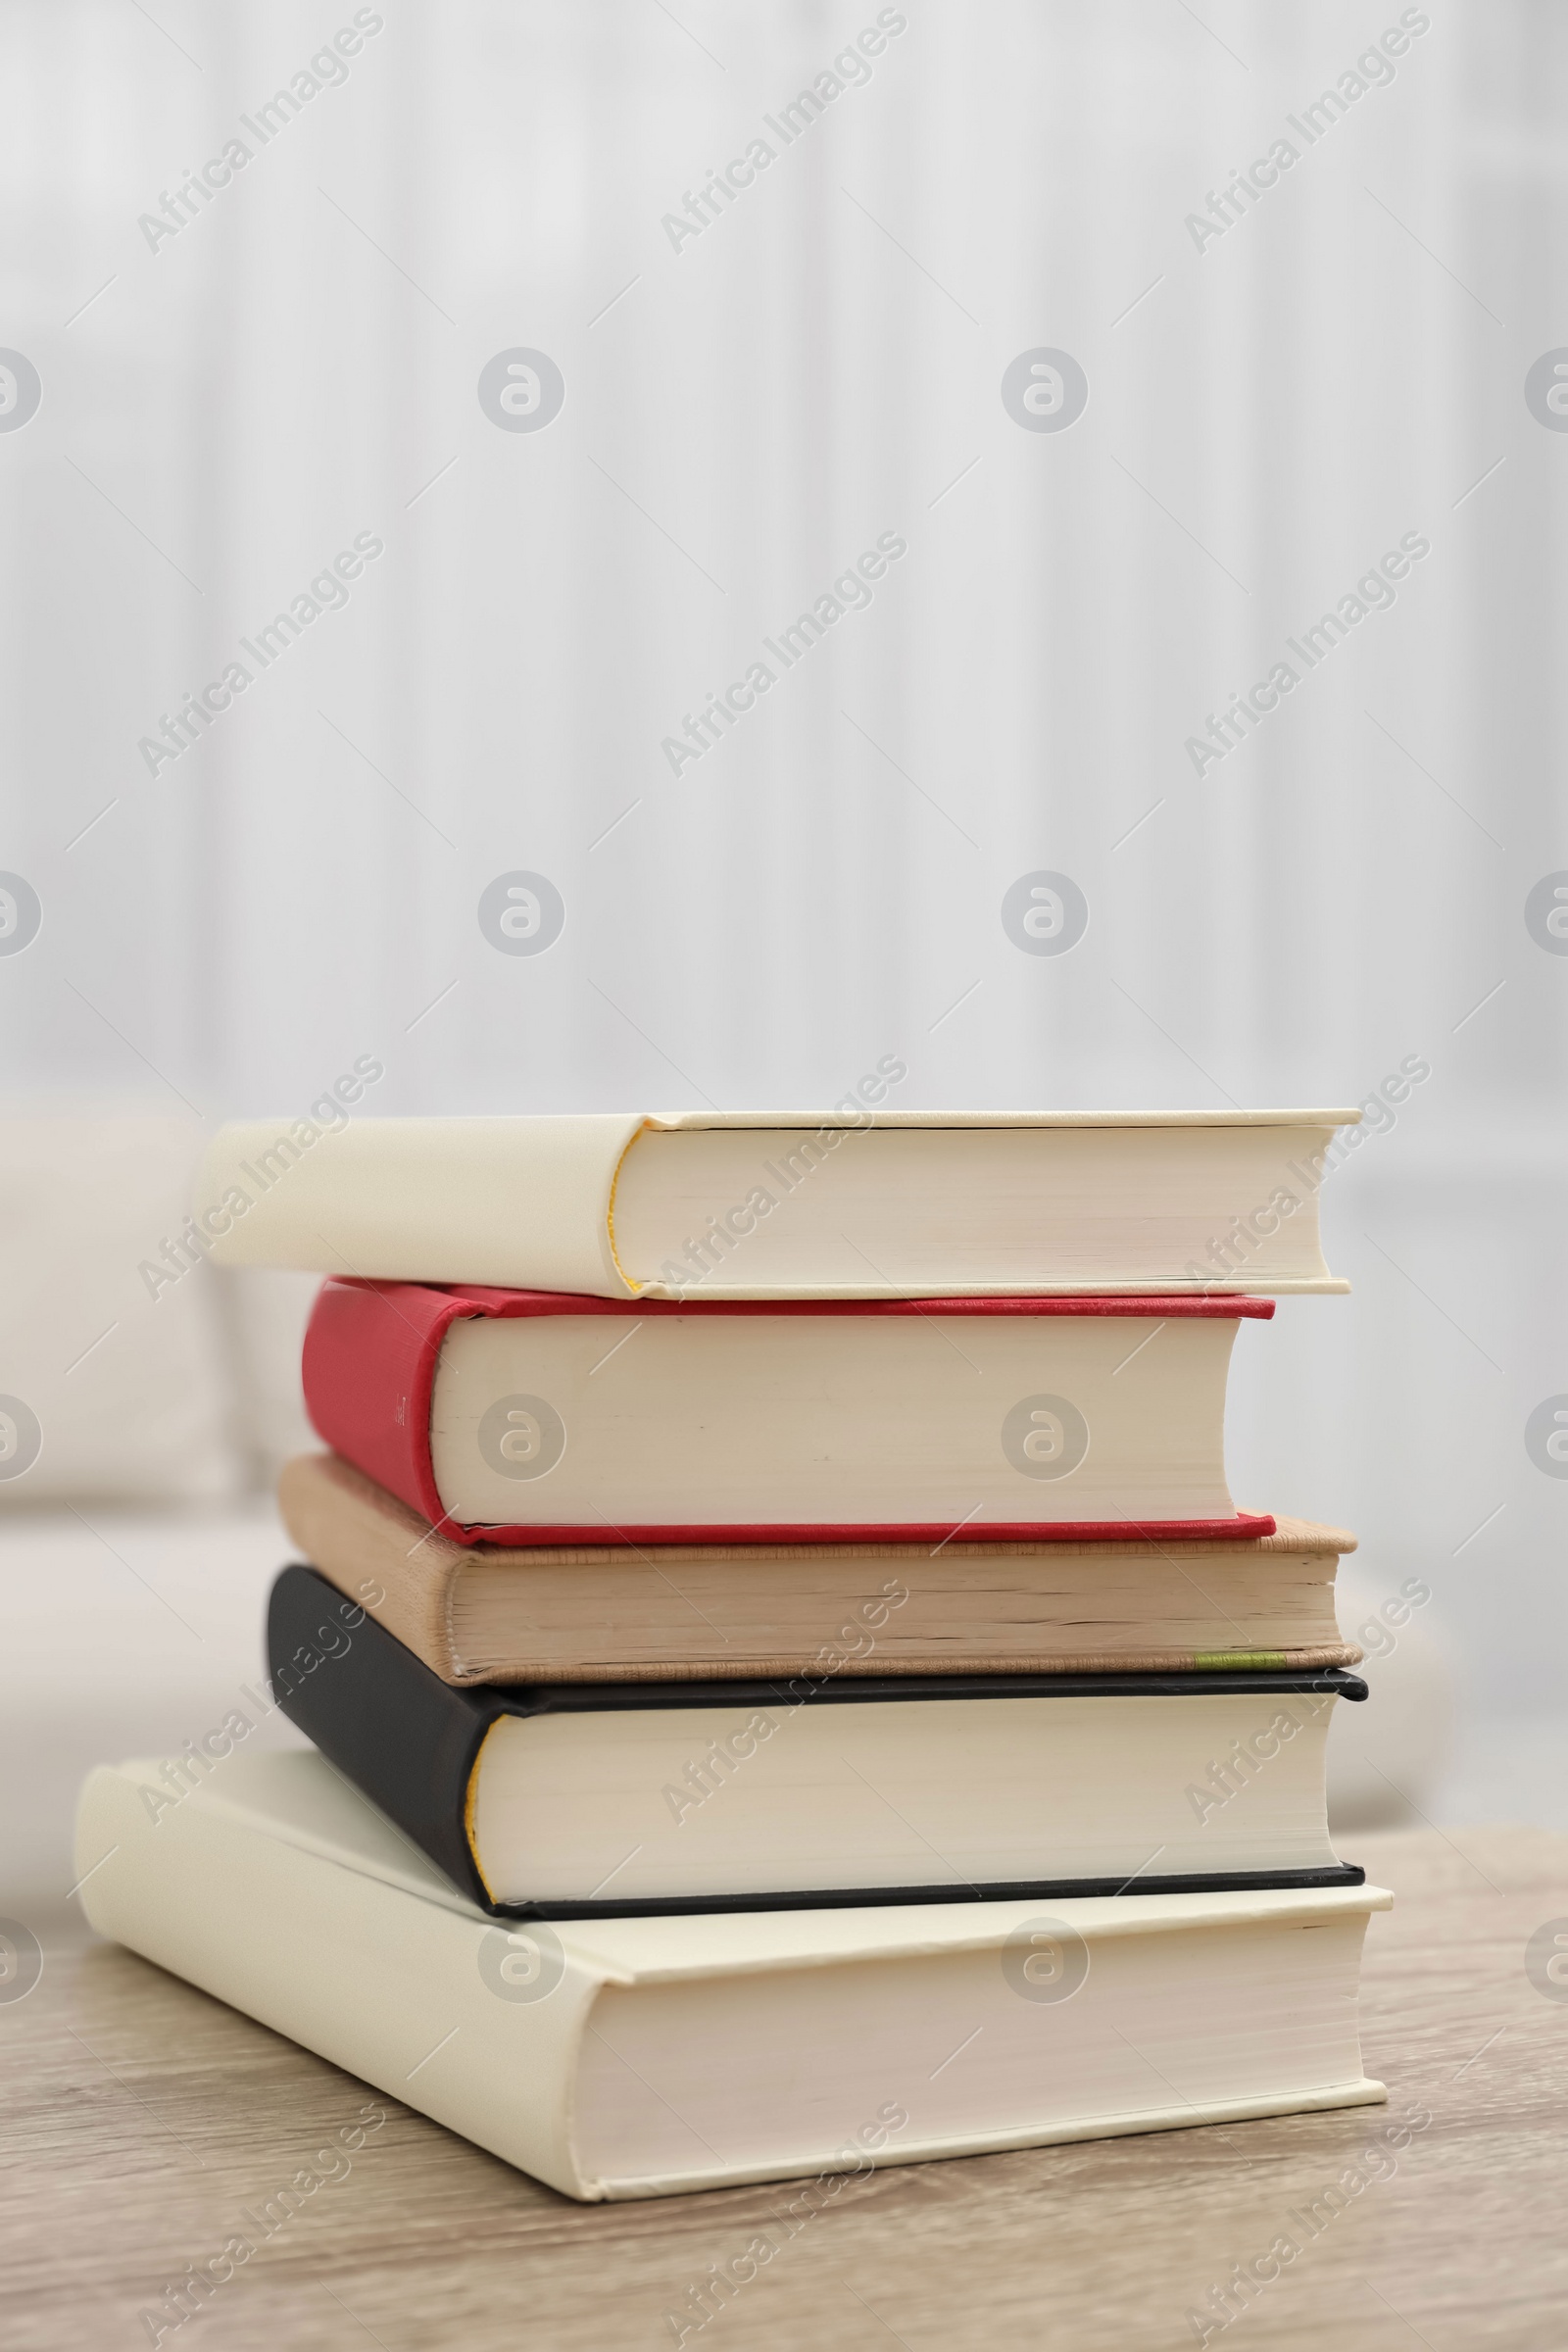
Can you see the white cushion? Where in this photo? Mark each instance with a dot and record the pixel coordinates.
(133, 1393)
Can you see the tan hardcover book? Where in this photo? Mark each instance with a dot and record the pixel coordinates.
(483, 1613)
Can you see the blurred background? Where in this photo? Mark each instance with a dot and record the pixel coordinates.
(457, 282)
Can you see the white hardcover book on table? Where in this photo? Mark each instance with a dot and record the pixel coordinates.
(650, 2056)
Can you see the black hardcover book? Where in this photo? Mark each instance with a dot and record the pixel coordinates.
(583, 1801)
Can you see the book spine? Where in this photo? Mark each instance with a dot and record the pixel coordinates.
(378, 1552)
(386, 1986)
(393, 1728)
(515, 1201)
(368, 1373)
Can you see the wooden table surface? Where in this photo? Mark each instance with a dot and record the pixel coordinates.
(142, 2115)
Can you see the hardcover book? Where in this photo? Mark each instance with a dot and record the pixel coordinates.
(533, 1416)
(584, 1799)
(853, 1203)
(648, 2057)
(624, 1613)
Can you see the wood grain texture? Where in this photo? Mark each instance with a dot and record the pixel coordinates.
(142, 2117)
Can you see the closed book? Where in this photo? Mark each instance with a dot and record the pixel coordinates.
(852, 1202)
(647, 2057)
(590, 1799)
(626, 1612)
(543, 1417)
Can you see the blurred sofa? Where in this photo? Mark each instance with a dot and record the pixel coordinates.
(138, 1542)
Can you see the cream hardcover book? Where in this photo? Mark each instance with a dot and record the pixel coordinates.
(847, 1204)
(650, 2056)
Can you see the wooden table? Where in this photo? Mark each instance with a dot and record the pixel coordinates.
(143, 2116)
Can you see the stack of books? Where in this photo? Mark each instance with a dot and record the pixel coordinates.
(790, 1688)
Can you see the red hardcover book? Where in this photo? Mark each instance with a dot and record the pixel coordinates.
(542, 1417)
